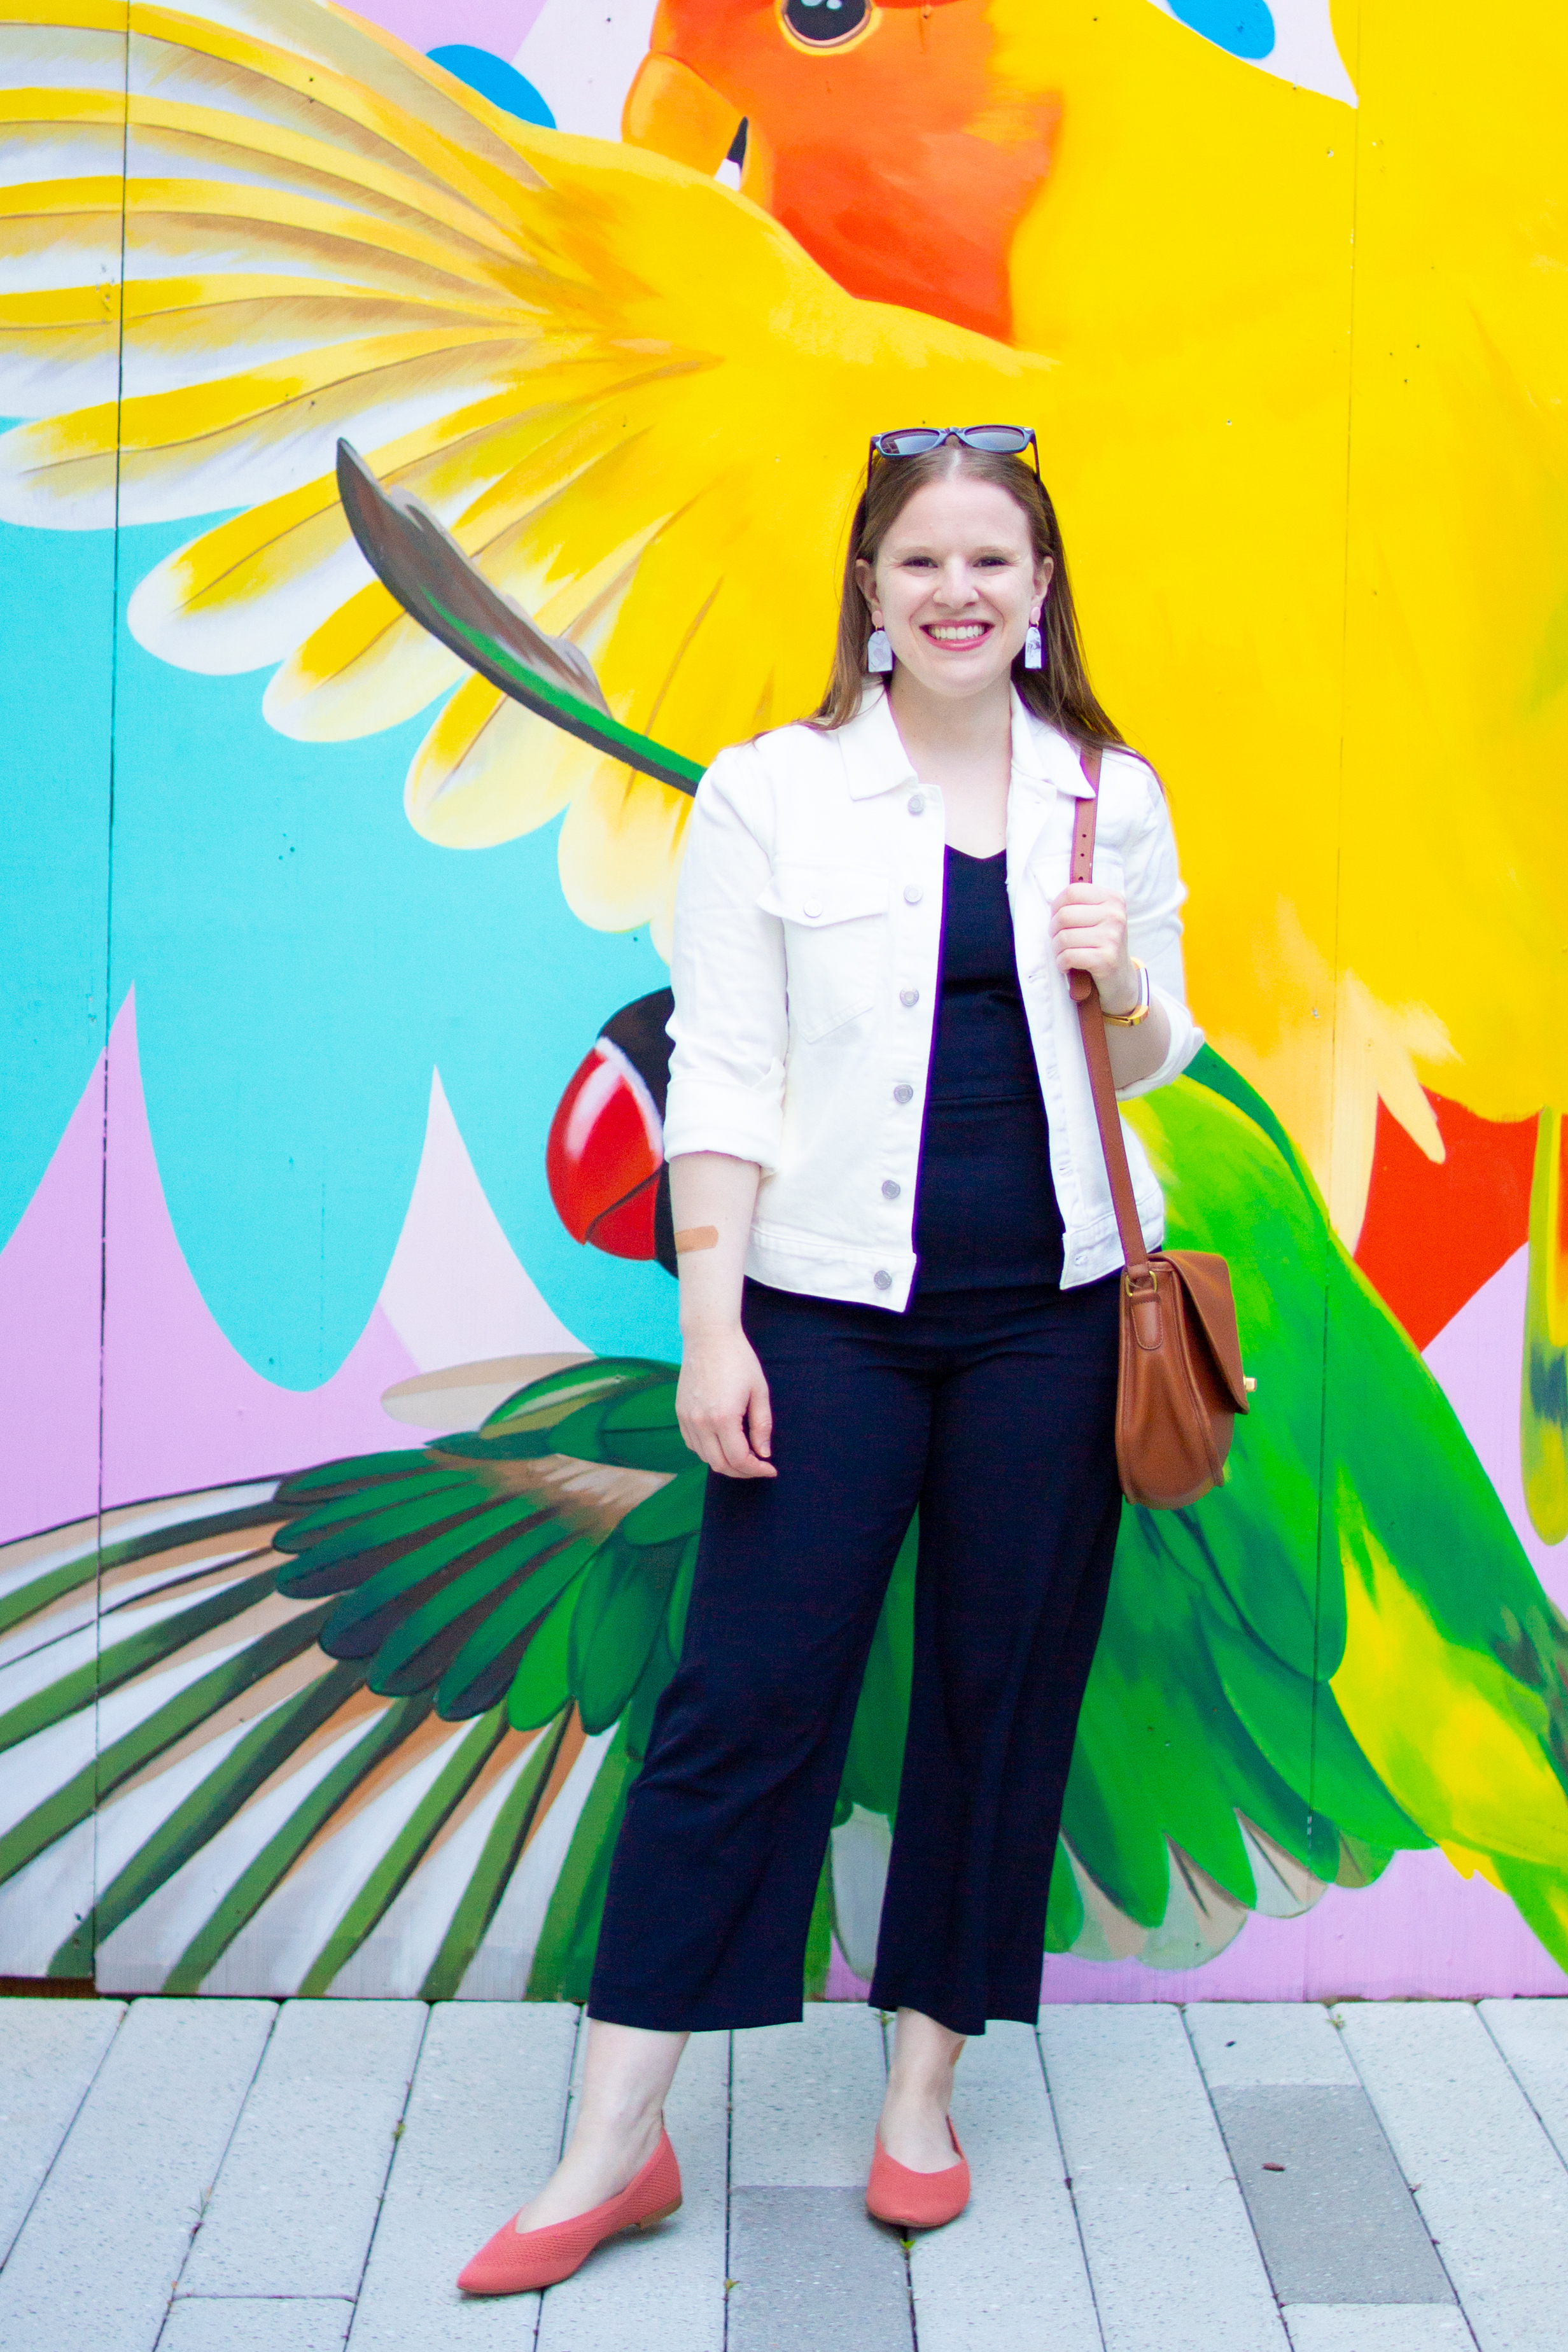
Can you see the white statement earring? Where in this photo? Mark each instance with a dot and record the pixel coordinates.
(879, 652)
(1034, 652)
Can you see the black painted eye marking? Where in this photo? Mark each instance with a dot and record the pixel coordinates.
(824, 24)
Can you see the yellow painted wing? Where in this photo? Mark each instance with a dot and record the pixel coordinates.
(619, 385)
(639, 405)
(1273, 311)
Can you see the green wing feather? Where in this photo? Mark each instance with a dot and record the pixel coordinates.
(529, 1577)
(526, 1583)
(1213, 1739)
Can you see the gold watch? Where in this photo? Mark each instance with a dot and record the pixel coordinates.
(1141, 1010)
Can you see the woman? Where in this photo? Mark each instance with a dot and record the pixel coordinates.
(898, 1290)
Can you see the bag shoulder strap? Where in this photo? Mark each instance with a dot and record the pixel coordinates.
(1097, 1052)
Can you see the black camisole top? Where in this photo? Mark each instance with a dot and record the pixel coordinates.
(985, 1206)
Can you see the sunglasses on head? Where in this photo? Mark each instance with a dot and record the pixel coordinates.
(918, 440)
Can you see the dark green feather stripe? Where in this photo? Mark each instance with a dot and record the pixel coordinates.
(124, 1659)
(86, 1565)
(27, 1600)
(407, 1849)
(635, 1429)
(563, 1957)
(449, 1586)
(369, 1537)
(264, 1875)
(211, 1806)
(125, 1756)
(502, 1852)
(354, 1474)
(483, 1669)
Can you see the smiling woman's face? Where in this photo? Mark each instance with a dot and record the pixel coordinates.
(956, 584)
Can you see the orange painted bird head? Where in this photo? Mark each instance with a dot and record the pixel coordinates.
(879, 135)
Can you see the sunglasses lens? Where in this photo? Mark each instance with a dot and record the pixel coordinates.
(1000, 439)
(913, 441)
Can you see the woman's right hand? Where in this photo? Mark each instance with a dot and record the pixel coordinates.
(721, 1403)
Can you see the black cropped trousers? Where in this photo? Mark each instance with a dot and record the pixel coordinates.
(992, 1413)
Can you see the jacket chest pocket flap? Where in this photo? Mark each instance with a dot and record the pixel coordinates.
(835, 921)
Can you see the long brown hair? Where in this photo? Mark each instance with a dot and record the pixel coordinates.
(1058, 692)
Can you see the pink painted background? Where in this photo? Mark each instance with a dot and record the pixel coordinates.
(500, 25)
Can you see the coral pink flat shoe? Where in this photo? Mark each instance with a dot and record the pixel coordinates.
(917, 2200)
(518, 2261)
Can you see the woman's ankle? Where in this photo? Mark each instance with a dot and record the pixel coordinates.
(924, 2053)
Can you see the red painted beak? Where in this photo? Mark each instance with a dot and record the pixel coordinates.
(605, 1155)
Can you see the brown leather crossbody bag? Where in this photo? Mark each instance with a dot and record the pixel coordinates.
(1181, 1383)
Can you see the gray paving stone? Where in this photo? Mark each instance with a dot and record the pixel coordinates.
(1130, 2104)
(295, 2201)
(273, 2324)
(128, 2187)
(813, 2272)
(1377, 2327)
(1256, 2042)
(807, 2098)
(1176, 2269)
(49, 2053)
(671, 2277)
(1534, 2038)
(1009, 2275)
(1493, 2190)
(482, 2132)
(1337, 2224)
(1174, 2264)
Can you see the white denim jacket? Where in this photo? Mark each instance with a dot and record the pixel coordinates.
(807, 934)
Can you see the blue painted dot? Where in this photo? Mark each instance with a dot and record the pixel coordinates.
(495, 79)
(1244, 27)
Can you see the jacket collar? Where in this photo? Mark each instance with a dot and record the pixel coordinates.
(875, 759)
(1043, 756)
(874, 756)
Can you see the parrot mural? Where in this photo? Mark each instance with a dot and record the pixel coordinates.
(608, 372)
(590, 377)
(367, 1684)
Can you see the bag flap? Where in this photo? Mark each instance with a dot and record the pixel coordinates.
(819, 895)
(1206, 1281)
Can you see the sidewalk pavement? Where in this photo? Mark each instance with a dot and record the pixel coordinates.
(244, 2176)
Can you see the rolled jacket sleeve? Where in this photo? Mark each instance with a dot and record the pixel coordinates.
(730, 1025)
(1155, 893)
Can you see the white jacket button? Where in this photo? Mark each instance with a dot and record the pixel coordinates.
(882, 1279)
(913, 894)
(909, 996)
(903, 1094)
(812, 908)
(890, 1190)
(917, 802)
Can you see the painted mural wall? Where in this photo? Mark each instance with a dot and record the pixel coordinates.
(347, 1533)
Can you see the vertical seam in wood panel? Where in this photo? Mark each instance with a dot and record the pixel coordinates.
(1328, 1520)
(109, 940)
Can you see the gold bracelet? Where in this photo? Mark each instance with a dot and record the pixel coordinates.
(1141, 1010)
